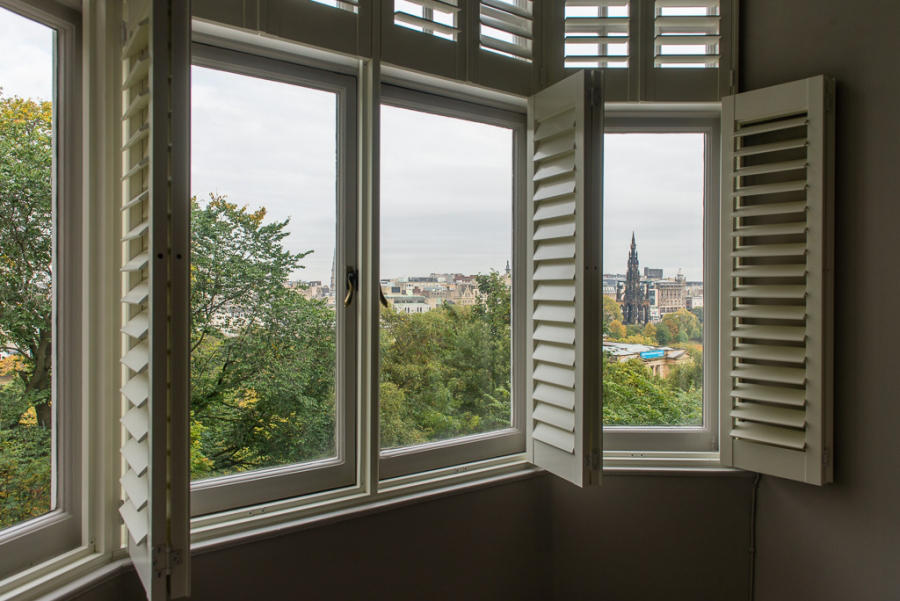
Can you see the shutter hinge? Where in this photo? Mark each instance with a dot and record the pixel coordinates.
(165, 559)
(160, 561)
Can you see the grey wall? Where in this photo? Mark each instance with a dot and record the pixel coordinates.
(652, 537)
(843, 541)
(490, 544)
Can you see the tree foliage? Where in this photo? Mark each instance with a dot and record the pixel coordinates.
(26, 209)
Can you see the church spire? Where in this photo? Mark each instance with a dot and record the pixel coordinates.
(635, 309)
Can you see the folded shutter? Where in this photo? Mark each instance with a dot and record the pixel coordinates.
(564, 331)
(776, 280)
(155, 71)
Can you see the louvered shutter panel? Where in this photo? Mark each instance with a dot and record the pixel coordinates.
(686, 33)
(507, 27)
(776, 280)
(597, 33)
(155, 62)
(564, 333)
(435, 17)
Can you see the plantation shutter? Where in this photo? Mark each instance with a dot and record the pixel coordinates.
(564, 332)
(507, 27)
(155, 63)
(776, 280)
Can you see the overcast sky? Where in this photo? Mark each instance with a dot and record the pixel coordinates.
(445, 182)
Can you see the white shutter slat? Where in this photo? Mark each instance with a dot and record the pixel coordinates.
(137, 488)
(554, 209)
(769, 230)
(561, 270)
(553, 333)
(797, 292)
(155, 64)
(137, 389)
(555, 416)
(788, 270)
(554, 189)
(555, 437)
(555, 249)
(138, 357)
(135, 521)
(770, 250)
(777, 188)
(563, 122)
(773, 435)
(139, 101)
(793, 313)
(781, 333)
(555, 146)
(138, 325)
(772, 208)
(553, 374)
(555, 395)
(775, 332)
(768, 373)
(781, 395)
(557, 229)
(559, 312)
(137, 421)
(768, 126)
(137, 295)
(564, 333)
(427, 24)
(779, 167)
(767, 352)
(767, 414)
(555, 292)
(551, 353)
(137, 454)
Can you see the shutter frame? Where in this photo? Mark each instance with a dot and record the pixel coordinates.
(777, 418)
(564, 331)
(154, 283)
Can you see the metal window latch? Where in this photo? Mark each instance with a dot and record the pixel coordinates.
(352, 283)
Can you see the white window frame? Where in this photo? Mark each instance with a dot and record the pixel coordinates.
(270, 484)
(60, 529)
(433, 455)
(635, 441)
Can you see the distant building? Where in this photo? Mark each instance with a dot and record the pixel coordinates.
(670, 296)
(408, 303)
(659, 359)
(653, 274)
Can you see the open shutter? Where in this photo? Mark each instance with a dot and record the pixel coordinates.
(776, 280)
(155, 71)
(564, 330)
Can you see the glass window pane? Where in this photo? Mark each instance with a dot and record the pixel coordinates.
(27, 206)
(653, 279)
(446, 244)
(263, 234)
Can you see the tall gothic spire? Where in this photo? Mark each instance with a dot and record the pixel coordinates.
(635, 308)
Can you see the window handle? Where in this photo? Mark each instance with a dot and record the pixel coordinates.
(352, 276)
(383, 300)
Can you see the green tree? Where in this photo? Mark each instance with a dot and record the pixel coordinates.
(611, 312)
(26, 245)
(262, 355)
(617, 330)
(26, 242)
